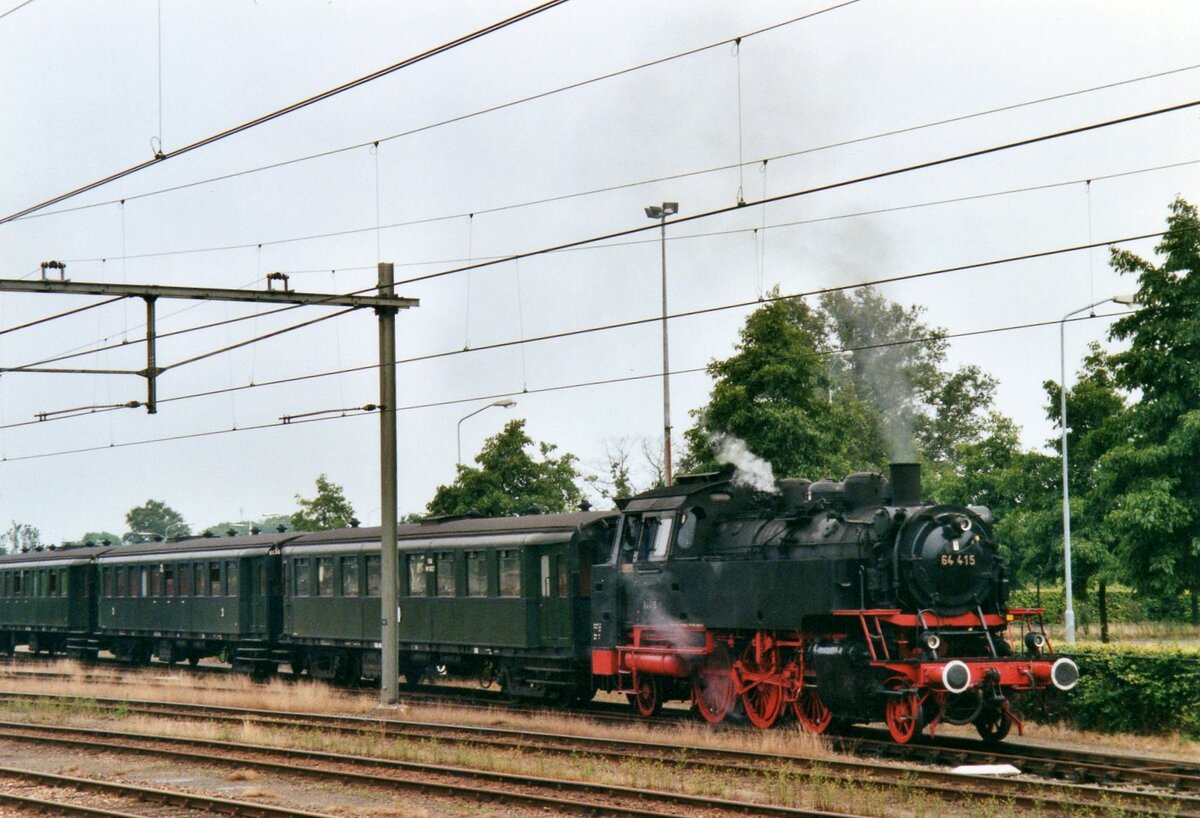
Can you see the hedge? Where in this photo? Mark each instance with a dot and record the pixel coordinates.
(1124, 605)
(1130, 690)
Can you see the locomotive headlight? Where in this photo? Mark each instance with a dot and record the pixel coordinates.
(1064, 674)
(956, 676)
(1034, 642)
(931, 640)
(965, 523)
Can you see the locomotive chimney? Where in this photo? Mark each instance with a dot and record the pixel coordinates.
(906, 483)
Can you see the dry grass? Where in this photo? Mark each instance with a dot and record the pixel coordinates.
(813, 788)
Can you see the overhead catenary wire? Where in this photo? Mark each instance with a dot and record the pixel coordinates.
(56, 316)
(870, 177)
(460, 118)
(292, 108)
(604, 189)
(562, 387)
(15, 8)
(690, 313)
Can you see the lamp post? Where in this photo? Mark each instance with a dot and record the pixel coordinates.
(506, 403)
(661, 213)
(1069, 611)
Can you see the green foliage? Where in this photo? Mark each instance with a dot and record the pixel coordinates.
(510, 481)
(1135, 690)
(328, 509)
(776, 394)
(1125, 605)
(154, 517)
(98, 538)
(1150, 478)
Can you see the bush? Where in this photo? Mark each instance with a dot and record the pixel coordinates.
(1124, 605)
(1133, 690)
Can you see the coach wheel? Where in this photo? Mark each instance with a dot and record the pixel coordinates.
(713, 686)
(811, 712)
(993, 725)
(761, 698)
(194, 660)
(904, 715)
(647, 699)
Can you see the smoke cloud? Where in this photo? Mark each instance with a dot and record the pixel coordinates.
(750, 469)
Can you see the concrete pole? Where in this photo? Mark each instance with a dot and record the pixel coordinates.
(390, 684)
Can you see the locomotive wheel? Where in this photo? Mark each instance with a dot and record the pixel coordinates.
(993, 726)
(904, 716)
(648, 699)
(713, 686)
(811, 712)
(762, 700)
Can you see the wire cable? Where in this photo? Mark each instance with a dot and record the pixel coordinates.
(292, 108)
(742, 304)
(56, 316)
(592, 191)
(455, 119)
(15, 9)
(558, 388)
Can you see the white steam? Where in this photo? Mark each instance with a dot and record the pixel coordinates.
(750, 469)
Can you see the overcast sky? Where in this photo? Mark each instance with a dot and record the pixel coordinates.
(80, 88)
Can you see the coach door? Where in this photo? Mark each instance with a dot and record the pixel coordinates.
(554, 595)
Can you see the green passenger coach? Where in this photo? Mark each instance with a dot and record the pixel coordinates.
(191, 599)
(47, 601)
(504, 600)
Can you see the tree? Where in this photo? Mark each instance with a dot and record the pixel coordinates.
(510, 481)
(897, 366)
(154, 518)
(20, 536)
(329, 509)
(98, 538)
(775, 393)
(1152, 478)
(1096, 412)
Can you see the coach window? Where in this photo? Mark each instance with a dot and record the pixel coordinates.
(122, 581)
(214, 579)
(416, 574)
(546, 585)
(374, 573)
(231, 578)
(185, 580)
(324, 576)
(349, 576)
(144, 582)
(301, 576)
(198, 571)
(510, 573)
(169, 580)
(52, 583)
(477, 573)
(445, 574)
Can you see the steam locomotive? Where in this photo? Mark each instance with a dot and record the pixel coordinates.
(851, 600)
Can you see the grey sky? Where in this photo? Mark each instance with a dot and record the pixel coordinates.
(79, 84)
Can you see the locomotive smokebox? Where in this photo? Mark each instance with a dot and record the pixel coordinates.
(906, 483)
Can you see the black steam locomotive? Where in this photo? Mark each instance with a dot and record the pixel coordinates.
(852, 600)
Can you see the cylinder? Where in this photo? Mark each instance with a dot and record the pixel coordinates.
(658, 664)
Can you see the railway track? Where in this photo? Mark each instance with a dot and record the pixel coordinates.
(944, 786)
(172, 800)
(1072, 765)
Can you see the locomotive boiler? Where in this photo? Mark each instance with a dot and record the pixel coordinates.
(852, 600)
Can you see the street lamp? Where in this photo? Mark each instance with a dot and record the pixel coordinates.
(502, 403)
(661, 213)
(1069, 612)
